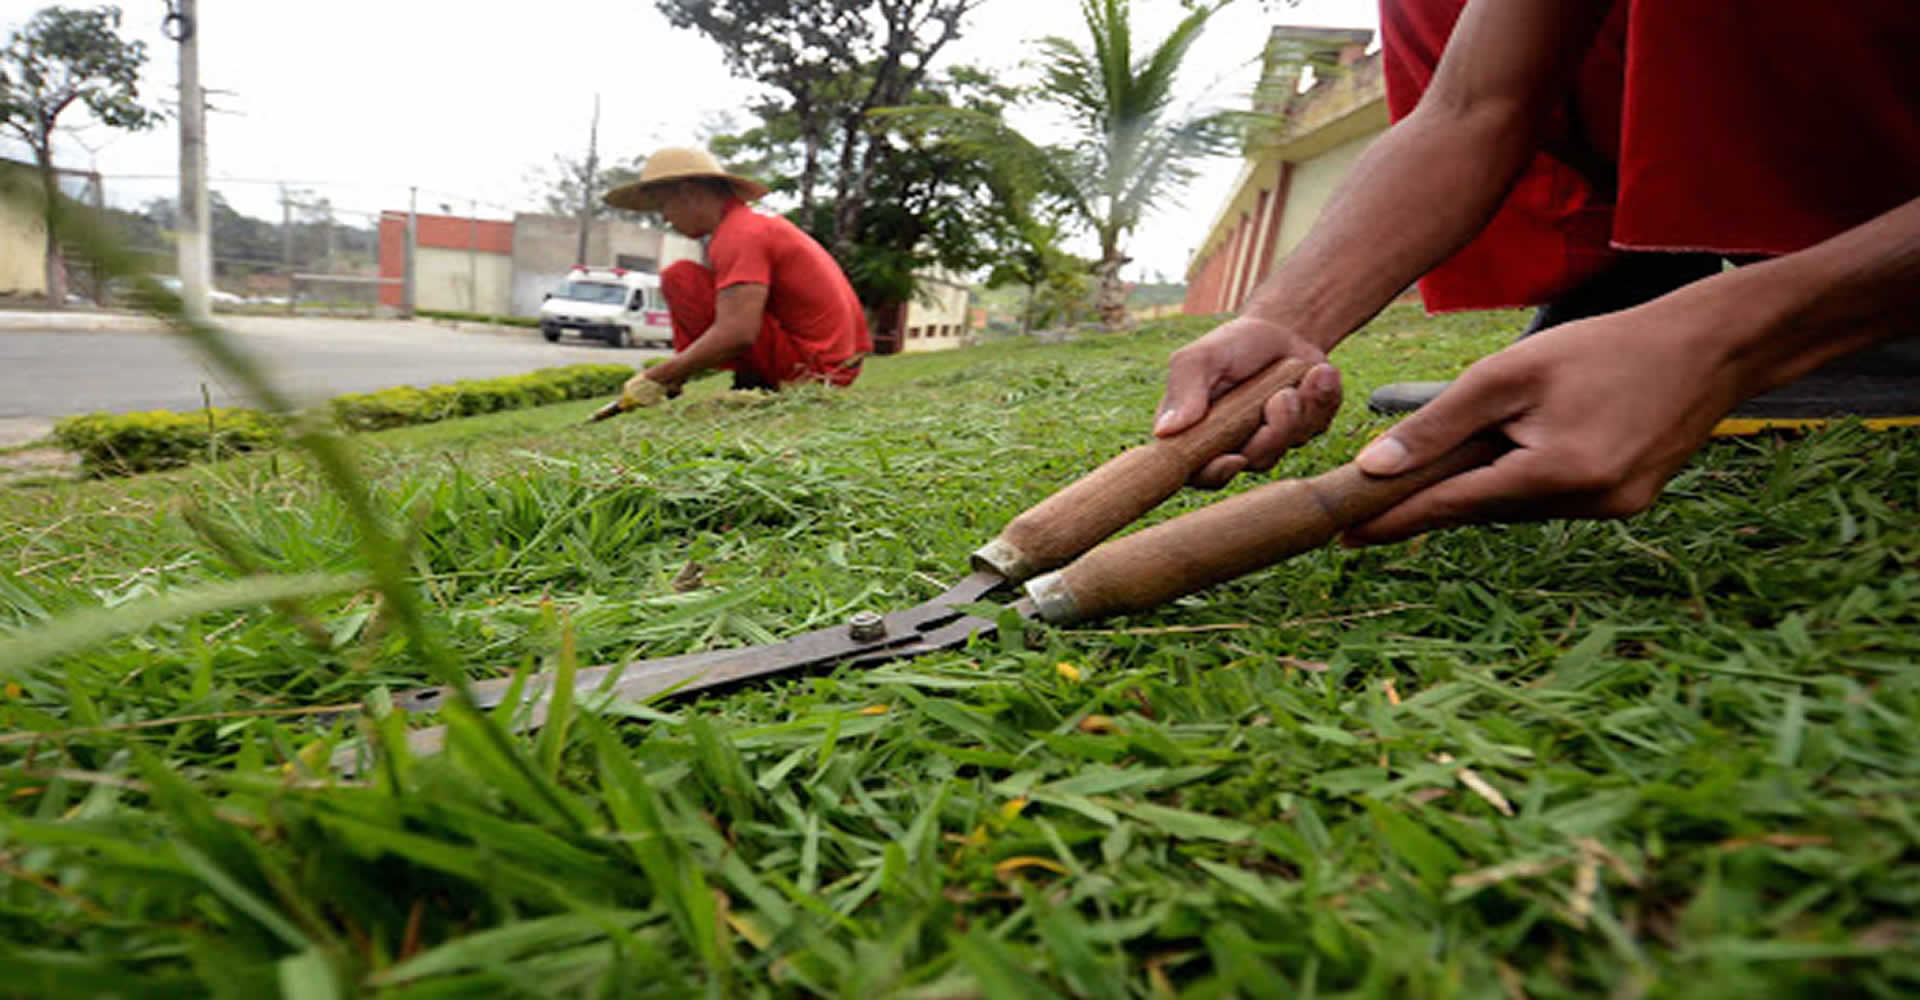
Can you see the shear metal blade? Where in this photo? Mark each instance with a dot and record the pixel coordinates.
(924, 628)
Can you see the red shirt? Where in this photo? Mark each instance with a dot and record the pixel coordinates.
(806, 291)
(1758, 127)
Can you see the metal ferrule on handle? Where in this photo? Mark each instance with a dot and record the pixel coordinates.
(1236, 536)
(1058, 529)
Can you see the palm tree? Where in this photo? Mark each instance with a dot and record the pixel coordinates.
(1132, 148)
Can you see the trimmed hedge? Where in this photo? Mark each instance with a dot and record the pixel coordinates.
(404, 405)
(532, 322)
(122, 444)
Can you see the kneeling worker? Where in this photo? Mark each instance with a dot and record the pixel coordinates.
(774, 308)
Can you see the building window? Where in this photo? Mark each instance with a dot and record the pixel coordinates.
(636, 262)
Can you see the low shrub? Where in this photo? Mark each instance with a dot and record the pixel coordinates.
(404, 405)
(121, 444)
(471, 317)
(396, 407)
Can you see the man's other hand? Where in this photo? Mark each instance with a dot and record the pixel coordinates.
(1206, 369)
(1601, 414)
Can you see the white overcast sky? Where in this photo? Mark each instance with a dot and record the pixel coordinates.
(356, 100)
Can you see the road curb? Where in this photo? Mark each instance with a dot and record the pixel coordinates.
(482, 329)
(16, 431)
(76, 321)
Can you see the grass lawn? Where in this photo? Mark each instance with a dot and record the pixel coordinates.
(1673, 756)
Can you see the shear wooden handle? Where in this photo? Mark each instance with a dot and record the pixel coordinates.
(1054, 531)
(1233, 537)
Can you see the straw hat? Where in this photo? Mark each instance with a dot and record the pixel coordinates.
(677, 163)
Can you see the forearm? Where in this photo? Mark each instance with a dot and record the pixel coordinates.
(738, 312)
(717, 346)
(1789, 315)
(1422, 191)
(1433, 181)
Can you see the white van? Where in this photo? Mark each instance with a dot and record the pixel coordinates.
(622, 307)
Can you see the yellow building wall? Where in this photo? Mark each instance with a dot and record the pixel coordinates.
(1311, 187)
(23, 243)
(445, 280)
(936, 318)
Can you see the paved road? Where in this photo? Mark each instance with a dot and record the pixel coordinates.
(53, 365)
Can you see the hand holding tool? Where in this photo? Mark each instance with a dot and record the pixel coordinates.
(640, 391)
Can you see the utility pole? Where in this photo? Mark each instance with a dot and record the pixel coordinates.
(413, 239)
(195, 251)
(333, 239)
(586, 184)
(286, 245)
(473, 255)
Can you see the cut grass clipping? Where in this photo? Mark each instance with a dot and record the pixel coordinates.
(1671, 756)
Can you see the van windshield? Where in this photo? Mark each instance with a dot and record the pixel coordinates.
(595, 291)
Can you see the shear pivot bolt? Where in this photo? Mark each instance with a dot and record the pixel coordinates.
(866, 626)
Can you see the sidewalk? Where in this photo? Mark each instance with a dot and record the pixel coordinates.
(16, 431)
(77, 321)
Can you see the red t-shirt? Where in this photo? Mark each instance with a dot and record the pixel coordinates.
(1758, 127)
(806, 291)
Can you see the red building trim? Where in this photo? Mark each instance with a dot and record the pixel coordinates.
(1279, 208)
(393, 257)
(448, 232)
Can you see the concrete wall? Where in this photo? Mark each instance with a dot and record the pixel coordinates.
(451, 254)
(1292, 172)
(517, 263)
(937, 318)
(23, 245)
(1310, 187)
(446, 280)
(23, 240)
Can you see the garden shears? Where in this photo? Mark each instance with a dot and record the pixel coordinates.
(1053, 551)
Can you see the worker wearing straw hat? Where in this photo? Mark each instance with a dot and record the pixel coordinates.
(771, 305)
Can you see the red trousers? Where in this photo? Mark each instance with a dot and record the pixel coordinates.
(775, 359)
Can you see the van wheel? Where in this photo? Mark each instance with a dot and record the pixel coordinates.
(553, 336)
(621, 337)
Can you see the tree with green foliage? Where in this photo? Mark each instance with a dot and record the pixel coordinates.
(1032, 201)
(60, 58)
(1133, 149)
(946, 206)
(832, 62)
(1055, 280)
(562, 184)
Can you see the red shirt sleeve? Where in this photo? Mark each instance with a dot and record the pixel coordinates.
(738, 257)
